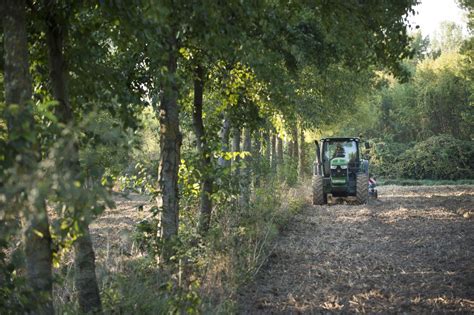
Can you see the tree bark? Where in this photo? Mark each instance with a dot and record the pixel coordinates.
(18, 90)
(84, 273)
(224, 134)
(294, 135)
(291, 144)
(256, 157)
(38, 243)
(170, 145)
(279, 157)
(279, 150)
(55, 36)
(301, 155)
(274, 153)
(245, 179)
(84, 259)
(268, 146)
(236, 148)
(204, 152)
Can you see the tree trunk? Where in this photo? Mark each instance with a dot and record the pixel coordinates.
(268, 147)
(224, 134)
(236, 148)
(170, 145)
(274, 153)
(279, 157)
(301, 153)
(84, 259)
(245, 179)
(294, 135)
(204, 152)
(291, 145)
(18, 90)
(256, 157)
(55, 35)
(37, 240)
(280, 151)
(84, 273)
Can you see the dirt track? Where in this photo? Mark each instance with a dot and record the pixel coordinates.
(410, 252)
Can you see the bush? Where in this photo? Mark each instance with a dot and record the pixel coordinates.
(438, 157)
(384, 158)
(441, 157)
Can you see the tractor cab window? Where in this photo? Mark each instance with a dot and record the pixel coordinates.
(341, 149)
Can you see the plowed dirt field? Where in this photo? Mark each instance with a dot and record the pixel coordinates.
(411, 251)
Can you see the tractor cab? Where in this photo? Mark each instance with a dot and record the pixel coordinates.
(339, 170)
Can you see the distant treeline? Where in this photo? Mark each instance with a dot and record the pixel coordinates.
(422, 127)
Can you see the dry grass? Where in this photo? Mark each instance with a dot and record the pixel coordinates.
(114, 247)
(237, 252)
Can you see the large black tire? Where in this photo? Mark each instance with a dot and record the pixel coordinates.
(318, 191)
(362, 188)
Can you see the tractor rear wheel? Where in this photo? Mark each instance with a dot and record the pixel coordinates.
(319, 198)
(362, 188)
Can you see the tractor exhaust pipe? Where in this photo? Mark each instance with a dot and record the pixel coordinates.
(317, 162)
(318, 152)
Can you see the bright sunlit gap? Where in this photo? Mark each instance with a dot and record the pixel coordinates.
(430, 13)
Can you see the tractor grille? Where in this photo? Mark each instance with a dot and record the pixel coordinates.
(339, 172)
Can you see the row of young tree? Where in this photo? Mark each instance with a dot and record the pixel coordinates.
(225, 80)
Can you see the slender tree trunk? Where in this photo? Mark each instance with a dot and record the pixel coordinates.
(37, 240)
(291, 145)
(268, 147)
(274, 153)
(84, 259)
(294, 135)
(256, 157)
(17, 76)
(236, 148)
(301, 155)
(279, 157)
(84, 273)
(170, 145)
(245, 179)
(224, 134)
(55, 35)
(280, 151)
(18, 90)
(204, 152)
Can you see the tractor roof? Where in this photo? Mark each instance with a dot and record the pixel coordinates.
(340, 139)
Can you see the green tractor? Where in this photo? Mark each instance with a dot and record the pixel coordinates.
(340, 170)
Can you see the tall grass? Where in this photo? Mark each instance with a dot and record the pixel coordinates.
(243, 243)
(207, 272)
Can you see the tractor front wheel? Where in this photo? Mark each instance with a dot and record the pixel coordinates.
(362, 188)
(319, 198)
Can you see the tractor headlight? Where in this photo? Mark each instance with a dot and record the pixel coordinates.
(333, 167)
(343, 167)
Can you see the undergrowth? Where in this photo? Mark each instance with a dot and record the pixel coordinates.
(242, 244)
(206, 272)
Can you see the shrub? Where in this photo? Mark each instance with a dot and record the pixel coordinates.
(438, 157)
(384, 158)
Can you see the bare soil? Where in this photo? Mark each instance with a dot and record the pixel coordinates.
(112, 231)
(411, 251)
